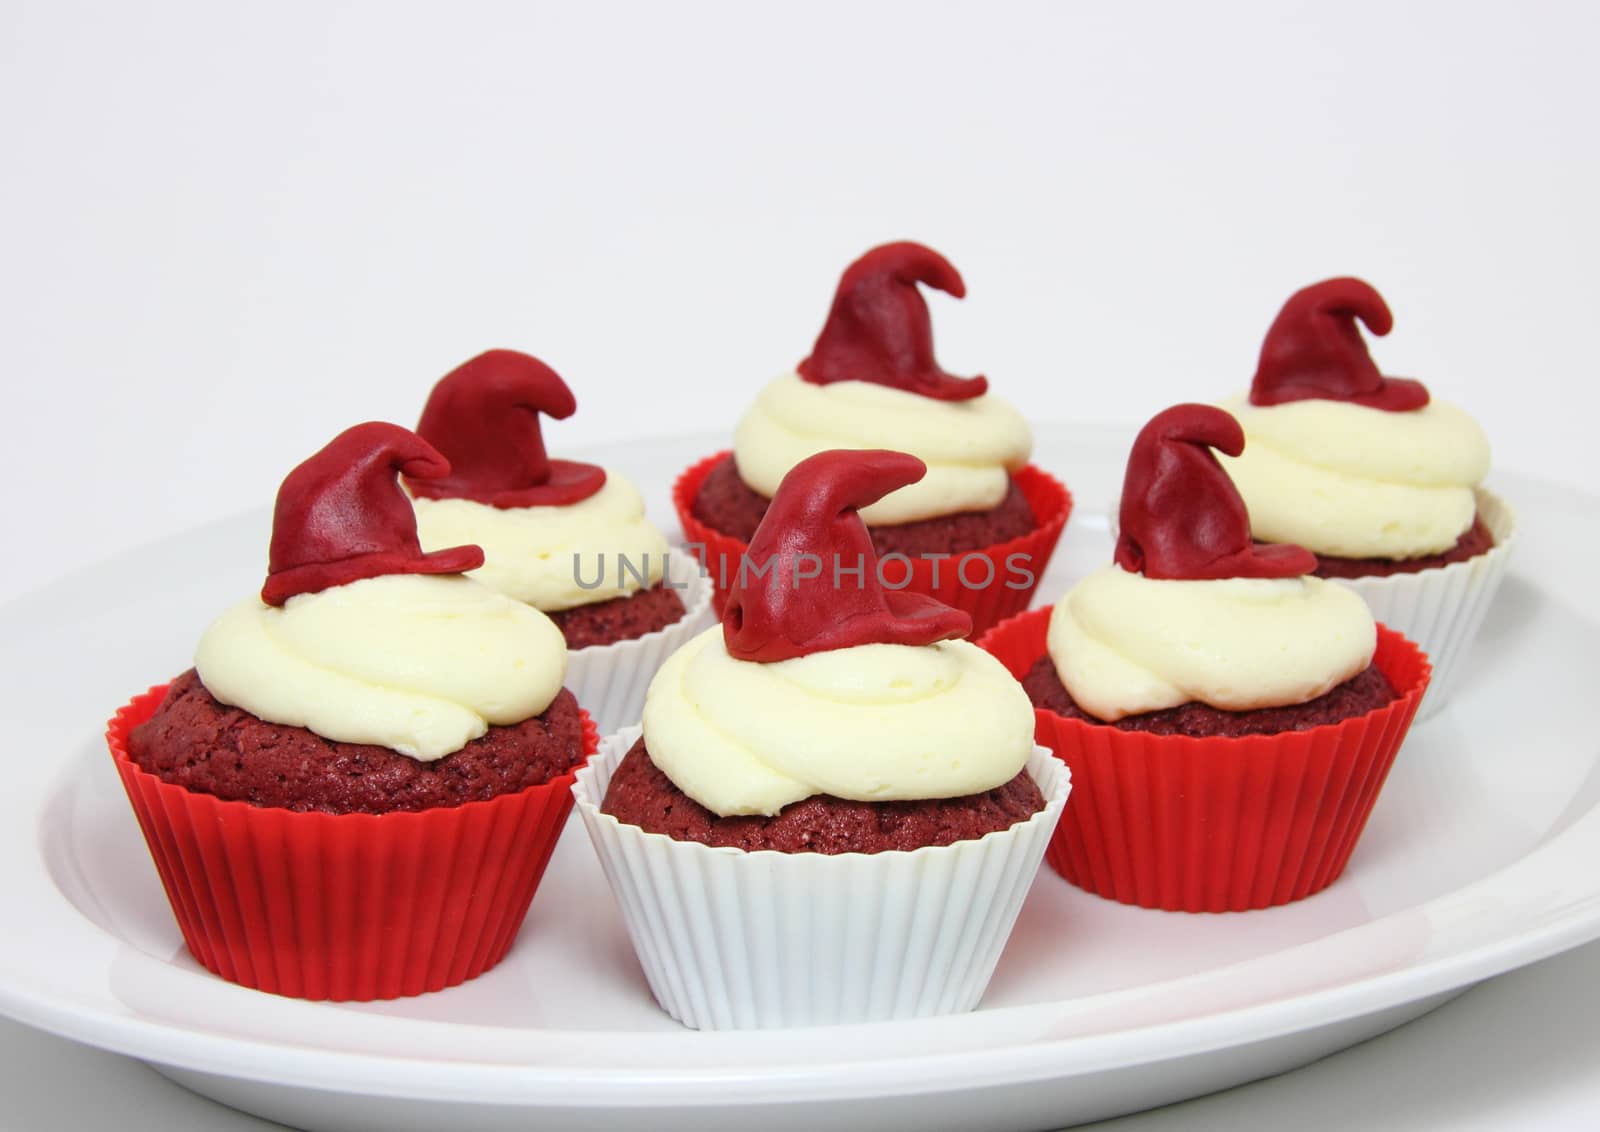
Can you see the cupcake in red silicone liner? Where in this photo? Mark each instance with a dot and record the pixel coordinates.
(1380, 480)
(836, 805)
(568, 538)
(976, 532)
(354, 792)
(1228, 719)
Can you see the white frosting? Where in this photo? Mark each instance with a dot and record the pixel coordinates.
(1355, 482)
(1124, 644)
(538, 554)
(421, 664)
(871, 723)
(970, 447)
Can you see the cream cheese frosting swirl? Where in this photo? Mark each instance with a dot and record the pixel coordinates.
(873, 722)
(1124, 644)
(421, 664)
(553, 558)
(970, 447)
(1346, 480)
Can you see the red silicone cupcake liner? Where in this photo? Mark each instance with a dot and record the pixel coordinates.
(347, 907)
(991, 584)
(1218, 824)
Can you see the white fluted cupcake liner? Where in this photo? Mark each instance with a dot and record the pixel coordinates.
(735, 940)
(610, 680)
(1441, 609)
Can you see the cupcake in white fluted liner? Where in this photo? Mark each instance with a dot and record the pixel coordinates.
(569, 539)
(1378, 479)
(836, 806)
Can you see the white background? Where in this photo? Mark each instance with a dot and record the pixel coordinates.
(227, 232)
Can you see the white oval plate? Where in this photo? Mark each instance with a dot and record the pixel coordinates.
(1479, 858)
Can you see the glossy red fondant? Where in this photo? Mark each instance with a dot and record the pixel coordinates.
(810, 583)
(484, 417)
(341, 516)
(1314, 349)
(1181, 515)
(878, 328)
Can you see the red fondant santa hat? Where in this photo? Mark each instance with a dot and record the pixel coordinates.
(878, 328)
(810, 581)
(1181, 515)
(484, 417)
(1315, 350)
(341, 515)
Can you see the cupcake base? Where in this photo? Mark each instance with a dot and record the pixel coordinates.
(204, 746)
(623, 618)
(345, 907)
(743, 940)
(1477, 540)
(640, 794)
(1363, 692)
(1221, 824)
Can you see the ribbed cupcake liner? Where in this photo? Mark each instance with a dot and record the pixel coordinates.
(730, 939)
(347, 907)
(610, 680)
(1442, 609)
(991, 584)
(1216, 824)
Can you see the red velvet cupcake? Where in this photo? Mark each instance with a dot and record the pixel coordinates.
(976, 532)
(833, 762)
(568, 538)
(1373, 474)
(1228, 718)
(355, 791)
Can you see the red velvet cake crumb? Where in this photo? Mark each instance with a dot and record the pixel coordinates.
(728, 504)
(195, 741)
(620, 618)
(641, 795)
(1474, 542)
(1366, 691)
